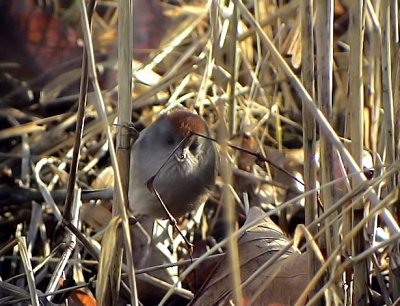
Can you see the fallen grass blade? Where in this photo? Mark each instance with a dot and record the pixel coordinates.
(106, 258)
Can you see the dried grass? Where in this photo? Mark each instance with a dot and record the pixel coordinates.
(248, 68)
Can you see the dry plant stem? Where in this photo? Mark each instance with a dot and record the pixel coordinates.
(234, 69)
(30, 194)
(174, 264)
(59, 270)
(215, 30)
(208, 69)
(129, 258)
(125, 57)
(312, 246)
(356, 194)
(356, 87)
(336, 252)
(372, 100)
(41, 261)
(178, 72)
(88, 245)
(380, 279)
(256, 178)
(186, 294)
(387, 92)
(394, 30)
(21, 130)
(26, 161)
(281, 12)
(143, 99)
(396, 104)
(375, 74)
(360, 191)
(67, 216)
(44, 191)
(100, 102)
(356, 90)
(14, 292)
(35, 222)
(26, 261)
(106, 261)
(60, 291)
(309, 126)
(387, 96)
(319, 117)
(324, 41)
(103, 117)
(259, 156)
(78, 138)
(226, 174)
(349, 262)
(50, 201)
(25, 257)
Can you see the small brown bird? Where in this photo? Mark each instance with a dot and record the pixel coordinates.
(185, 168)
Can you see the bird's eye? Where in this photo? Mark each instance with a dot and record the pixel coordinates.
(170, 140)
(193, 147)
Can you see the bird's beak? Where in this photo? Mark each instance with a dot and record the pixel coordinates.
(181, 154)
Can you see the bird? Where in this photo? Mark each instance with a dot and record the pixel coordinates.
(172, 158)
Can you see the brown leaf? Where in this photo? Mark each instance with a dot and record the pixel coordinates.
(280, 283)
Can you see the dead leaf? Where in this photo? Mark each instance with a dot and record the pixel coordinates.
(281, 283)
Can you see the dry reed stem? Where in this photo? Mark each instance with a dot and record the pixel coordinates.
(325, 127)
(118, 184)
(309, 126)
(356, 110)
